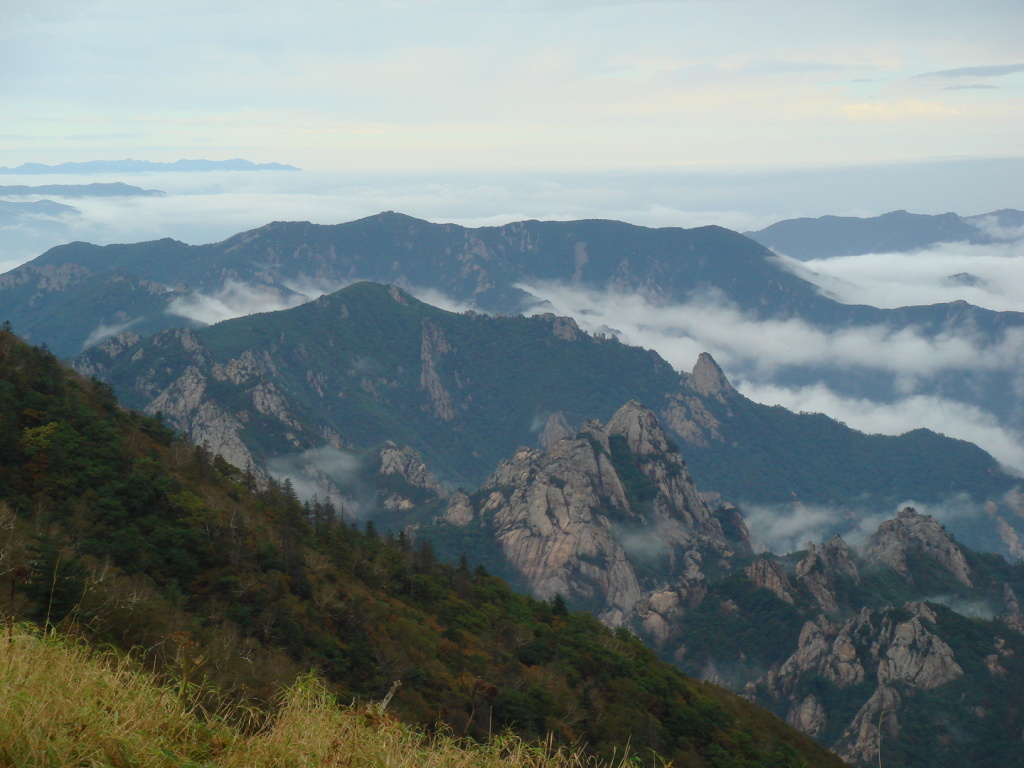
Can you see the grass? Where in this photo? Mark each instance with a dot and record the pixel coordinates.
(65, 704)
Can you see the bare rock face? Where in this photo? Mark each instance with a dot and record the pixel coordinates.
(808, 716)
(546, 516)
(433, 347)
(922, 535)
(688, 414)
(887, 646)
(822, 567)
(557, 428)
(863, 739)
(185, 406)
(407, 463)
(459, 510)
(708, 379)
(770, 575)
(573, 521)
(890, 649)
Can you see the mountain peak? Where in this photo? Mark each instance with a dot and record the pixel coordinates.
(912, 532)
(641, 429)
(708, 379)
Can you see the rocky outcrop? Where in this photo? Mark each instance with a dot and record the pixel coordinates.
(770, 575)
(921, 535)
(887, 647)
(585, 516)
(433, 347)
(808, 715)
(821, 569)
(708, 379)
(890, 650)
(862, 740)
(687, 412)
(186, 407)
(407, 463)
(556, 428)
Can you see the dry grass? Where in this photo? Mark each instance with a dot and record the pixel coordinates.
(62, 704)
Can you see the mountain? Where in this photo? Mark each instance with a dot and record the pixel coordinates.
(484, 267)
(897, 231)
(910, 643)
(492, 268)
(369, 364)
(124, 535)
(141, 166)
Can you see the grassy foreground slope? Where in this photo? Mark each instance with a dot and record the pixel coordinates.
(62, 704)
(116, 531)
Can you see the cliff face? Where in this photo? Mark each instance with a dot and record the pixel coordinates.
(885, 650)
(607, 518)
(870, 666)
(910, 535)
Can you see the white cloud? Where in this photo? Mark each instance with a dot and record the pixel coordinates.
(101, 332)
(235, 300)
(891, 280)
(949, 417)
(760, 347)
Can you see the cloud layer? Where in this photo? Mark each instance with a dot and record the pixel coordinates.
(754, 352)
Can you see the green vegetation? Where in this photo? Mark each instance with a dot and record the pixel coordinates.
(116, 531)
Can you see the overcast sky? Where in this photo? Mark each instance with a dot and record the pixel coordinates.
(544, 85)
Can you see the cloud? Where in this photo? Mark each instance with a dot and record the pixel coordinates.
(895, 110)
(892, 280)
(782, 529)
(973, 87)
(323, 472)
(101, 332)
(972, 609)
(949, 417)
(234, 300)
(742, 343)
(756, 353)
(785, 528)
(998, 70)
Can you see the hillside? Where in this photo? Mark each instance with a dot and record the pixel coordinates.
(369, 364)
(115, 530)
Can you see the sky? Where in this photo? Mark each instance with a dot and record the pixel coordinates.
(541, 85)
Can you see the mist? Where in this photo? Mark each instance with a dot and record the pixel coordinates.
(205, 207)
(754, 352)
(990, 276)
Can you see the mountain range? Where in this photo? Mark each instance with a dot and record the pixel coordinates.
(140, 166)
(115, 531)
(74, 295)
(893, 232)
(587, 471)
(370, 363)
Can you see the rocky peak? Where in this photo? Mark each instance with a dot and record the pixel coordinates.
(708, 379)
(407, 463)
(581, 517)
(640, 427)
(910, 532)
(770, 575)
(822, 566)
(557, 428)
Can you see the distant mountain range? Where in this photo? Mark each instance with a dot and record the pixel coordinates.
(894, 232)
(75, 295)
(137, 166)
(96, 189)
